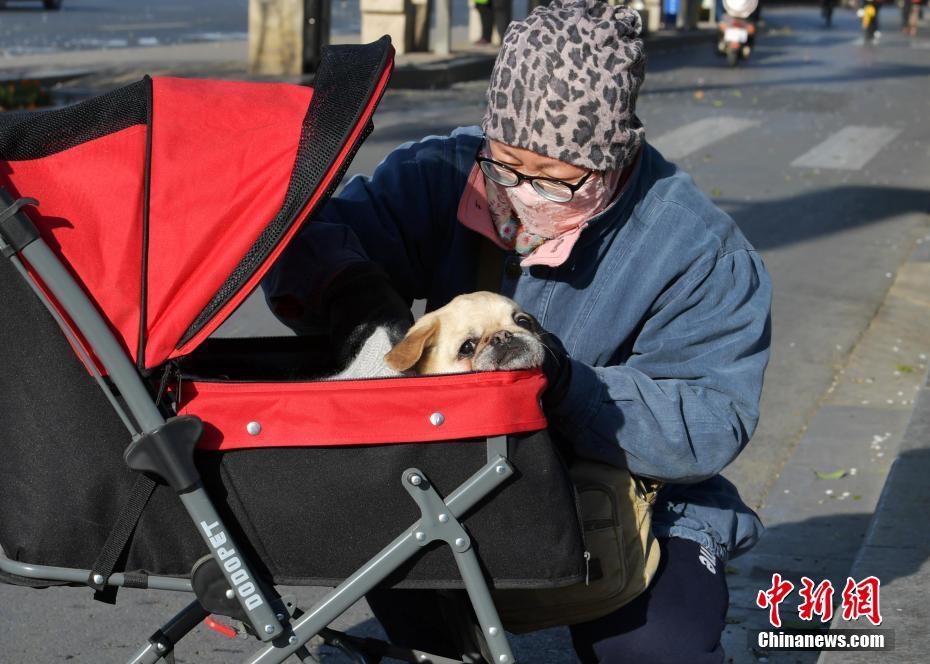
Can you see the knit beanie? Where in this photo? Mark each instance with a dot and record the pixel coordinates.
(565, 84)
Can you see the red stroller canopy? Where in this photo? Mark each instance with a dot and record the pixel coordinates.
(168, 199)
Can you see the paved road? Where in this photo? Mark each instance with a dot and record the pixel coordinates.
(820, 150)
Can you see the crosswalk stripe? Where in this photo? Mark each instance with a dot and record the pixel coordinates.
(699, 134)
(850, 148)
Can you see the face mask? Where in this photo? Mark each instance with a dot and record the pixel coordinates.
(549, 219)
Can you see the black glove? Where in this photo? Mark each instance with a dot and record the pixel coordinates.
(558, 369)
(359, 300)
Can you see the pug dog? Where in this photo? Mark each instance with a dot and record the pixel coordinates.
(479, 331)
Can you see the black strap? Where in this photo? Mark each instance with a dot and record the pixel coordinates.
(16, 230)
(490, 266)
(117, 543)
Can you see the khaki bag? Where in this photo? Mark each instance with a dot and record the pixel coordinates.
(622, 553)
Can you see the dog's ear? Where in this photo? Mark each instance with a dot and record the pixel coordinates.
(405, 355)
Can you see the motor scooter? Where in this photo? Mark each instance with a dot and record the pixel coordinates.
(736, 30)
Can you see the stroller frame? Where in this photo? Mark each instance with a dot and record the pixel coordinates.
(164, 448)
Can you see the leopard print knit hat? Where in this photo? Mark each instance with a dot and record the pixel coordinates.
(565, 84)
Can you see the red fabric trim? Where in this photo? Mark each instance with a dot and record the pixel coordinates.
(247, 288)
(369, 412)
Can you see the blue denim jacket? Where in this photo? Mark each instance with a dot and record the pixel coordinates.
(663, 307)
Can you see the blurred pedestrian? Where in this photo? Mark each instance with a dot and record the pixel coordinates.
(913, 16)
(493, 14)
(826, 10)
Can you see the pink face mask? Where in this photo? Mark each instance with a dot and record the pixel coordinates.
(549, 219)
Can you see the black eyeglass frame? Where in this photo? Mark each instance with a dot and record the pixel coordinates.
(532, 179)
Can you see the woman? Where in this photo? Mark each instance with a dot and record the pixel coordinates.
(660, 303)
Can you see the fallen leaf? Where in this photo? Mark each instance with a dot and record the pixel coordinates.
(717, 103)
(903, 368)
(699, 94)
(715, 192)
(835, 475)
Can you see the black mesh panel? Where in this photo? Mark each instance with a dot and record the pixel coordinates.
(42, 133)
(346, 81)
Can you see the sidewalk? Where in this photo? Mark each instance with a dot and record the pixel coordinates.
(95, 70)
(839, 508)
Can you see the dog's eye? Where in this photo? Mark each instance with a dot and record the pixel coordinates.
(523, 321)
(467, 349)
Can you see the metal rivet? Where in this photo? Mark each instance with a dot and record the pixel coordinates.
(269, 629)
(443, 518)
(459, 541)
(503, 659)
(416, 480)
(279, 616)
(420, 536)
(254, 428)
(292, 640)
(436, 419)
(230, 594)
(493, 631)
(501, 469)
(98, 579)
(160, 646)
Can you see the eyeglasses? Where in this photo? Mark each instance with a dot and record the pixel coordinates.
(557, 191)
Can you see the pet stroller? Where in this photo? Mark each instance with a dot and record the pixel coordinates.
(132, 225)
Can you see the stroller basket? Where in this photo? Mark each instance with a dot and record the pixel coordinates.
(132, 225)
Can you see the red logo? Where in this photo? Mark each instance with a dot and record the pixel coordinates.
(774, 596)
(859, 600)
(817, 601)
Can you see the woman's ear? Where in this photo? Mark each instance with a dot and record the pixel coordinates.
(405, 355)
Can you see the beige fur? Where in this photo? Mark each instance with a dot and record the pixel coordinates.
(502, 334)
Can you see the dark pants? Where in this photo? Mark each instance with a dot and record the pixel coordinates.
(678, 619)
(496, 13)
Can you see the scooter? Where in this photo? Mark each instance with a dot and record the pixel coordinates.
(736, 31)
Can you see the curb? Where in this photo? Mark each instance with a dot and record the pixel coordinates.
(896, 549)
(439, 73)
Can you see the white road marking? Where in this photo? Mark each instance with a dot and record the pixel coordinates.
(692, 137)
(851, 148)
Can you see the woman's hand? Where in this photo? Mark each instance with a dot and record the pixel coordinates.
(359, 300)
(557, 366)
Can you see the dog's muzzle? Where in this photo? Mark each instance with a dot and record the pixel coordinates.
(509, 351)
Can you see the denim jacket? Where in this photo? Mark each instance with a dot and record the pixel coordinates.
(663, 306)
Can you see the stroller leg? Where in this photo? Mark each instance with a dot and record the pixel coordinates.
(439, 521)
(481, 601)
(161, 643)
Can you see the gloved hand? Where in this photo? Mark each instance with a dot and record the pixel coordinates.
(359, 300)
(558, 369)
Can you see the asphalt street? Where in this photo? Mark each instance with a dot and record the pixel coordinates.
(819, 147)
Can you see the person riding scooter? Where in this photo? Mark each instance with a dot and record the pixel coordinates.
(736, 31)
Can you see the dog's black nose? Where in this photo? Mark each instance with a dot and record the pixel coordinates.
(501, 337)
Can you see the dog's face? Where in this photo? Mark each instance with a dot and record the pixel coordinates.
(474, 332)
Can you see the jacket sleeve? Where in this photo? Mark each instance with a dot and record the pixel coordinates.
(397, 218)
(687, 400)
